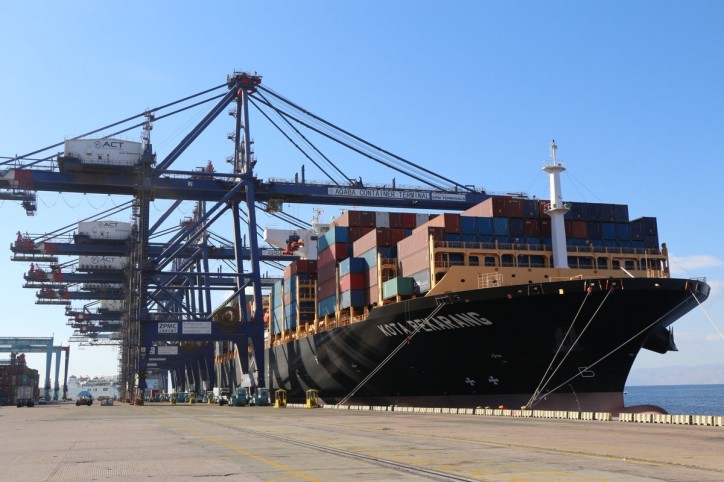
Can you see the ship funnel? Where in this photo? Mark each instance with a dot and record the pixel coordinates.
(557, 210)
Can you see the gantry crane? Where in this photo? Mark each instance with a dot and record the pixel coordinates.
(167, 285)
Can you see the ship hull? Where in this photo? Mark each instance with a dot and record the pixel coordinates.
(573, 343)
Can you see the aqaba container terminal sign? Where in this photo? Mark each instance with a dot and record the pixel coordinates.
(392, 194)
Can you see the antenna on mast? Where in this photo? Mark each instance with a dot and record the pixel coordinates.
(554, 148)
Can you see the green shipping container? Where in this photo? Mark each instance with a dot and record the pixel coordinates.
(397, 286)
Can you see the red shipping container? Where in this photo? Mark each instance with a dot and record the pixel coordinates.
(306, 265)
(396, 220)
(357, 218)
(327, 289)
(324, 257)
(532, 227)
(356, 232)
(579, 229)
(396, 235)
(352, 281)
(368, 219)
(341, 251)
(545, 228)
(327, 272)
(515, 207)
(409, 220)
(335, 252)
(300, 266)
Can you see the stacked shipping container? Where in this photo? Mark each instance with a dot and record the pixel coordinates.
(357, 255)
(292, 298)
(18, 382)
(367, 257)
(511, 221)
(523, 221)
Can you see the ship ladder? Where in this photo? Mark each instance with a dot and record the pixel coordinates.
(441, 302)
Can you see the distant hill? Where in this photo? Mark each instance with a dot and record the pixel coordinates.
(677, 375)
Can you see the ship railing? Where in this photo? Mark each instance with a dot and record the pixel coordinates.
(587, 249)
(447, 264)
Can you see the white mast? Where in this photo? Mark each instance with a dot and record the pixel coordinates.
(557, 209)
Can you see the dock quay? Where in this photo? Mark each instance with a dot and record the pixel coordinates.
(61, 441)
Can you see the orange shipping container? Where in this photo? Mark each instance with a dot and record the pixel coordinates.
(376, 237)
(491, 207)
(449, 221)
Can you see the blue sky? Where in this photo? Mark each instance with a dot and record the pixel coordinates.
(475, 90)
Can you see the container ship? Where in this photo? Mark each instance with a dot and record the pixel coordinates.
(516, 302)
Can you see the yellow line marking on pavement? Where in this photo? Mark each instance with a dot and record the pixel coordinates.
(221, 443)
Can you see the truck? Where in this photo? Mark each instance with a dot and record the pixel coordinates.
(261, 397)
(222, 395)
(241, 398)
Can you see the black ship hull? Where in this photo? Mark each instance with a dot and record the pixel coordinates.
(573, 343)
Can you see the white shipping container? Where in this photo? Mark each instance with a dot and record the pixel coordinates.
(102, 286)
(115, 230)
(111, 305)
(102, 263)
(382, 219)
(109, 151)
(421, 219)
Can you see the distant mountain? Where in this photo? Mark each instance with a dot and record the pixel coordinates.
(677, 375)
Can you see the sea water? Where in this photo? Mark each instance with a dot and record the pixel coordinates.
(679, 399)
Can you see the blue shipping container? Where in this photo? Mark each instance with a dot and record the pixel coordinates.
(352, 298)
(468, 225)
(484, 225)
(336, 234)
(608, 230)
(623, 231)
(500, 226)
(516, 227)
(327, 306)
(352, 265)
(422, 281)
